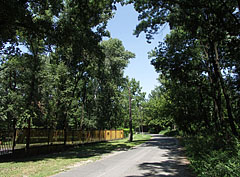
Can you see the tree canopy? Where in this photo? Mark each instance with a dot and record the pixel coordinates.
(56, 71)
(198, 61)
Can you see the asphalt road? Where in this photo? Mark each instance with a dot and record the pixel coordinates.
(160, 157)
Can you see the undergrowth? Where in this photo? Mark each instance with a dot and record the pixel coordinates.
(213, 157)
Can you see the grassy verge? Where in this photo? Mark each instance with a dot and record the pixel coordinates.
(168, 132)
(209, 158)
(53, 163)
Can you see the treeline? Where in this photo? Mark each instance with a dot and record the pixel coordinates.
(198, 63)
(56, 72)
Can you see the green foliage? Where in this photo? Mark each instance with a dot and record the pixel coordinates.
(112, 84)
(199, 72)
(209, 158)
(137, 103)
(194, 62)
(156, 112)
(126, 132)
(55, 70)
(170, 132)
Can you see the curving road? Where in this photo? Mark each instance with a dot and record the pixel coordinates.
(160, 157)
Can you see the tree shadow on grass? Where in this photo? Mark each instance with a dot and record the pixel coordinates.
(171, 166)
(77, 152)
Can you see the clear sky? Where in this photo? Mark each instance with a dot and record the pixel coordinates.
(122, 27)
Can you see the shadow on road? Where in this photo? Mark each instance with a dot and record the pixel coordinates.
(170, 166)
(175, 164)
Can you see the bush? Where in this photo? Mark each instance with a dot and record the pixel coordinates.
(207, 160)
(126, 132)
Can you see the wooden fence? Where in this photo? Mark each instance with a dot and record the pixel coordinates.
(40, 137)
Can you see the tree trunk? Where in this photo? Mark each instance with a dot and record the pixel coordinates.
(28, 134)
(217, 110)
(32, 100)
(31, 105)
(48, 141)
(130, 117)
(203, 112)
(225, 93)
(82, 117)
(65, 129)
(14, 135)
(83, 104)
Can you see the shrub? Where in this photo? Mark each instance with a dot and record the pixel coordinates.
(208, 159)
(126, 132)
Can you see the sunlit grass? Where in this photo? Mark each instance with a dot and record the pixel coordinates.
(46, 165)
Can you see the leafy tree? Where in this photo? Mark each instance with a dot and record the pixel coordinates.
(111, 82)
(157, 113)
(11, 94)
(212, 26)
(134, 99)
(63, 77)
(181, 63)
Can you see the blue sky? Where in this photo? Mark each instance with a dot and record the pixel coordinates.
(122, 27)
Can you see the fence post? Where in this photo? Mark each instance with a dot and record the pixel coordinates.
(99, 135)
(14, 139)
(110, 134)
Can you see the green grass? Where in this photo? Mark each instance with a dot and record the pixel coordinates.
(168, 132)
(163, 132)
(47, 165)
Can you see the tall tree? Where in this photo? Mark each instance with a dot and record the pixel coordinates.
(111, 81)
(62, 57)
(214, 24)
(135, 99)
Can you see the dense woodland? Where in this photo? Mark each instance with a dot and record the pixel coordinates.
(198, 63)
(57, 71)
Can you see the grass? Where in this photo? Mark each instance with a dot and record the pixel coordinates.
(163, 132)
(46, 165)
(168, 132)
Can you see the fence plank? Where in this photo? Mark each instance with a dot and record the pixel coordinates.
(41, 137)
